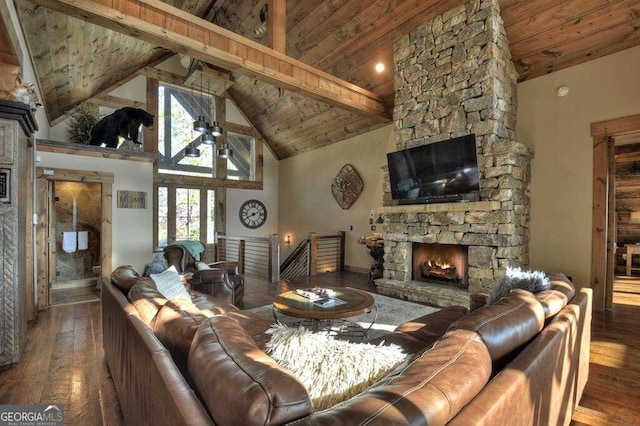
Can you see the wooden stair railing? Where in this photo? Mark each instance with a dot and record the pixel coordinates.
(260, 256)
(256, 256)
(315, 254)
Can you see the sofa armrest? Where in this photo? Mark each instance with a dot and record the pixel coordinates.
(236, 280)
(231, 267)
(213, 282)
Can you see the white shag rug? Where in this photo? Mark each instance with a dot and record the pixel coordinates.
(391, 313)
(331, 370)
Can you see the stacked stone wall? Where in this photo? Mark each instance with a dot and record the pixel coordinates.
(453, 77)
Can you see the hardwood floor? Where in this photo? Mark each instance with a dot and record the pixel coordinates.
(612, 394)
(63, 361)
(63, 364)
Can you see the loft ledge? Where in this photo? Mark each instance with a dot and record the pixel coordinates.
(461, 206)
(93, 151)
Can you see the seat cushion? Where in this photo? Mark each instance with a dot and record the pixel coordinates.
(429, 328)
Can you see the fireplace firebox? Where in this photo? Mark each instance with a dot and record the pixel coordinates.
(441, 263)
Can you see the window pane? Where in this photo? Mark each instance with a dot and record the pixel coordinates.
(178, 109)
(241, 165)
(211, 216)
(163, 213)
(187, 214)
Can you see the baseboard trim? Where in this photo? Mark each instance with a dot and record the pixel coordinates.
(83, 282)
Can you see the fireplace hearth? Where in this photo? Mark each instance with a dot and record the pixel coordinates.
(441, 263)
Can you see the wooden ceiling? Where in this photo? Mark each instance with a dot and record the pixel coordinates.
(76, 60)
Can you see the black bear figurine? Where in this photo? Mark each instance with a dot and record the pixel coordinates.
(124, 122)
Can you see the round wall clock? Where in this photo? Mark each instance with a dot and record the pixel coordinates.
(253, 214)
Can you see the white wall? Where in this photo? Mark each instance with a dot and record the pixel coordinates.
(132, 228)
(562, 169)
(306, 202)
(268, 195)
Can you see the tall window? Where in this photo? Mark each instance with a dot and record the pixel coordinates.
(185, 214)
(178, 108)
(242, 165)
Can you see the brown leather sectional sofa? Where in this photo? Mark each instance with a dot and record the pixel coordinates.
(520, 361)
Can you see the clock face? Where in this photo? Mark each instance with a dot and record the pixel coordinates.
(253, 214)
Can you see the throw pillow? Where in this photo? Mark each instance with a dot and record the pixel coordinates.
(331, 370)
(170, 284)
(533, 281)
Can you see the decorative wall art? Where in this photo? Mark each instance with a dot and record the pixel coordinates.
(132, 200)
(347, 186)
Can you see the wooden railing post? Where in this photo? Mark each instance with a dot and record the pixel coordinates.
(312, 263)
(342, 235)
(241, 246)
(218, 247)
(274, 258)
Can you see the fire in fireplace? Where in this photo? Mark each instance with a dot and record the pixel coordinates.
(442, 263)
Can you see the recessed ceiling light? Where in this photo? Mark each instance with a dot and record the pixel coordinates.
(562, 91)
(379, 67)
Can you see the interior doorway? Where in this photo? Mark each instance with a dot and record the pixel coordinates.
(76, 219)
(616, 148)
(73, 236)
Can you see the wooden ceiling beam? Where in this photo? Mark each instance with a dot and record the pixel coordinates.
(277, 25)
(161, 24)
(161, 75)
(116, 102)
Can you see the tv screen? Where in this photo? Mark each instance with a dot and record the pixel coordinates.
(438, 172)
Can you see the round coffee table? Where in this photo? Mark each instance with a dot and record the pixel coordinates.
(332, 319)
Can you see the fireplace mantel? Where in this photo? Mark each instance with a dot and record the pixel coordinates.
(441, 207)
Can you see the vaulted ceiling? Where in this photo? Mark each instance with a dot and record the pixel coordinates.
(325, 89)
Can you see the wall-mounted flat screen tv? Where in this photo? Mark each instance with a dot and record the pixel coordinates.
(443, 171)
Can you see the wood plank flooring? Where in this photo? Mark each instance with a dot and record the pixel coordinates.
(63, 362)
(612, 394)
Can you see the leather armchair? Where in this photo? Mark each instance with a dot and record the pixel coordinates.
(180, 257)
(218, 279)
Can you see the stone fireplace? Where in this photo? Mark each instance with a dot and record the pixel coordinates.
(454, 77)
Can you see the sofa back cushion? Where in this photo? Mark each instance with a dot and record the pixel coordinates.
(124, 277)
(434, 386)
(147, 300)
(507, 324)
(239, 383)
(556, 297)
(175, 326)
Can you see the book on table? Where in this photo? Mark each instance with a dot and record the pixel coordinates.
(329, 302)
(315, 293)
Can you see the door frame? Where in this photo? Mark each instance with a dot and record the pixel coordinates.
(603, 220)
(45, 176)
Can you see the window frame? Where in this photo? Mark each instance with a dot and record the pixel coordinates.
(172, 188)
